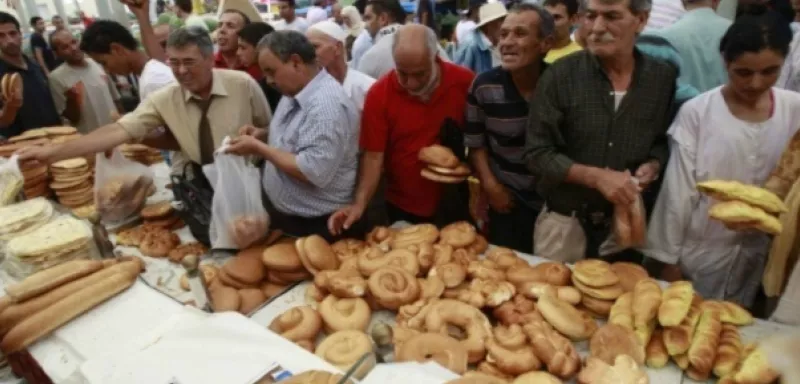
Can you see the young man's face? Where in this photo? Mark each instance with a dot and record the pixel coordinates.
(10, 40)
(562, 20)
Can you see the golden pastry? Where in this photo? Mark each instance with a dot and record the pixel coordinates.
(675, 303)
(731, 190)
(737, 212)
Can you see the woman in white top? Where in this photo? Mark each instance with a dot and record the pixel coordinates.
(734, 132)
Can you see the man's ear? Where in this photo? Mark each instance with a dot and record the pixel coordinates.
(643, 17)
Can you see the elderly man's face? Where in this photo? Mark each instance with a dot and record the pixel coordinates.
(414, 70)
(612, 27)
(190, 67)
(327, 49)
(286, 77)
(520, 44)
(230, 24)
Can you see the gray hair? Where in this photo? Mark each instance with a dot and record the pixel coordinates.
(284, 44)
(192, 35)
(636, 6)
(547, 24)
(431, 41)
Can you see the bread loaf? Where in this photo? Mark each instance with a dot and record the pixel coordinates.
(45, 321)
(679, 339)
(48, 279)
(657, 356)
(675, 303)
(646, 300)
(622, 311)
(729, 351)
(703, 350)
(20, 311)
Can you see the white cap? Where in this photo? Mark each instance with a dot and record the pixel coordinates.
(331, 29)
(490, 12)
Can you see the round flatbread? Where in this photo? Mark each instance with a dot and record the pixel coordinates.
(34, 172)
(33, 134)
(78, 193)
(461, 170)
(433, 176)
(60, 130)
(66, 184)
(35, 180)
(64, 138)
(77, 162)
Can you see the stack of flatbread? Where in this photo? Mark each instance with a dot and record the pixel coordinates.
(8, 149)
(72, 182)
(24, 217)
(62, 239)
(141, 154)
(36, 177)
(744, 204)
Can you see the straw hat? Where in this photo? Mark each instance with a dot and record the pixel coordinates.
(490, 12)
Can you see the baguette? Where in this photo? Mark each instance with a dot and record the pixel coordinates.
(703, 350)
(47, 320)
(622, 225)
(657, 356)
(18, 312)
(41, 282)
(729, 351)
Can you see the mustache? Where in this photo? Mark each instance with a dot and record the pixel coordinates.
(606, 37)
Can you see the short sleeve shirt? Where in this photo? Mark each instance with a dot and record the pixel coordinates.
(387, 126)
(38, 41)
(38, 109)
(98, 96)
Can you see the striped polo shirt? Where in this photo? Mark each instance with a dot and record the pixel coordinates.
(497, 119)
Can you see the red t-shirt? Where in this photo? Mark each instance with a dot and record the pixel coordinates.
(253, 70)
(399, 125)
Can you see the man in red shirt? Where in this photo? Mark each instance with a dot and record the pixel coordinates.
(404, 111)
(230, 23)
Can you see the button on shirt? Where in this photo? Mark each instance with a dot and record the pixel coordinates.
(236, 100)
(320, 127)
(573, 120)
(38, 109)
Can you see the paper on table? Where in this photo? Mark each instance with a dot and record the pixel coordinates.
(219, 348)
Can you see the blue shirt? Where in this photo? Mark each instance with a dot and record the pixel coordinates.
(320, 126)
(696, 37)
(475, 53)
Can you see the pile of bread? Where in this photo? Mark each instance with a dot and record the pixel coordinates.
(498, 319)
(23, 217)
(745, 205)
(43, 302)
(73, 182)
(11, 183)
(141, 153)
(155, 236)
(253, 276)
(61, 239)
(442, 165)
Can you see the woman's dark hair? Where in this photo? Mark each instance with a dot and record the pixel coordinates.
(755, 31)
(253, 33)
(97, 38)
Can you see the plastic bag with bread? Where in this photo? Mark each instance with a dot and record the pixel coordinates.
(238, 217)
(11, 180)
(629, 227)
(121, 187)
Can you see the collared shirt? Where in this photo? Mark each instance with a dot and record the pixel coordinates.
(790, 73)
(399, 125)
(99, 94)
(692, 35)
(356, 85)
(496, 119)
(573, 120)
(155, 75)
(253, 70)
(320, 127)
(463, 28)
(38, 109)
(475, 53)
(557, 53)
(236, 100)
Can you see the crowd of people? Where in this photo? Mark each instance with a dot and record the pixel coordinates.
(563, 110)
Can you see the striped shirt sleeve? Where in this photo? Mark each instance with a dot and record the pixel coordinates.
(474, 120)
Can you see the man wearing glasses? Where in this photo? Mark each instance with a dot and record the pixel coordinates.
(203, 107)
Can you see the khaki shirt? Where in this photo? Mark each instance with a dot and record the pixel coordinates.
(236, 101)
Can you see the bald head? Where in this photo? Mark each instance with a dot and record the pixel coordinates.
(414, 48)
(414, 41)
(66, 46)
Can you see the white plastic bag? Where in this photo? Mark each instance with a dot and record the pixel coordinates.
(121, 187)
(238, 217)
(11, 180)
